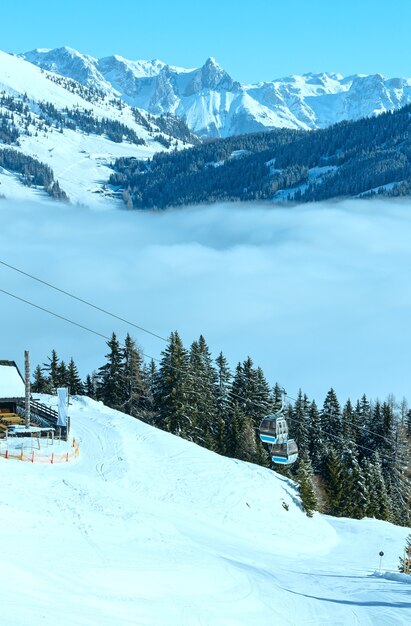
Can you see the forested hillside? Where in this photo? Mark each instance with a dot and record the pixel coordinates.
(352, 457)
(366, 157)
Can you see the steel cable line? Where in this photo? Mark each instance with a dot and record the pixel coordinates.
(135, 326)
(94, 332)
(71, 295)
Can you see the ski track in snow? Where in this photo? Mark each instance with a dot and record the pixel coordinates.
(147, 529)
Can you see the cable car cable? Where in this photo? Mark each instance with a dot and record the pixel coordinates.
(74, 297)
(153, 334)
(86, 328)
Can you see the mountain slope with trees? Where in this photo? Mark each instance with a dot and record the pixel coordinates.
(353, 458)
(367, 157)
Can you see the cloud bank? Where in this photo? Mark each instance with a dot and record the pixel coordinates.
(319, 295)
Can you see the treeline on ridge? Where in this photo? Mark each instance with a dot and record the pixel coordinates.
(354, 158)
(33, 173)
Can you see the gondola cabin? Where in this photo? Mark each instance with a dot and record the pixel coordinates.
(268, 429)
(274, 431)
(284, 453)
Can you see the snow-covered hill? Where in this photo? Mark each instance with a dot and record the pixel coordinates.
(147, 529)
(213, 104)
(77, 130)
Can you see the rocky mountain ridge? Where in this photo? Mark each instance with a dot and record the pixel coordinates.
(213, 104)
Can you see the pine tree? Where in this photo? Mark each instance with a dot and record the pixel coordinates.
(356, 498)
(203, 395)
(40, 382)
(62, 375)
(351, 428)
(52, 369)
(150, 375)
(74, 381)
(405, 563)
(316, 439)
(173, 388)
(299, 424)
(408, 422)
(90, 386)
(250, 394)
(223, 386)
(306, 486)
(379, 505)
(133, 377)
(331, 418)
(395, 476)
(333, 475)
(110, 387)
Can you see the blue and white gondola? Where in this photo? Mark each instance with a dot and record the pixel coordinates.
(274, 431)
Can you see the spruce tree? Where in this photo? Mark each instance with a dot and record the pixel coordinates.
(331, 418)
(62, 375)
(203, 394)
(356, 497)
(133, 377)
(52, 369)
(333, 480)
(150, 375)
(173, 389)
(223, 385)
(110, 387)
(90, 386)
(317, 447)
(299, 424)
(379, 505)
(408, 423)
(40, 382)
(405, 563)
(351, 428)
(74, 381)
(306, 486)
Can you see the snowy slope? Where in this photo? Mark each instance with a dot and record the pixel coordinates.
(213, 104)
(147, 529)
(80, 161)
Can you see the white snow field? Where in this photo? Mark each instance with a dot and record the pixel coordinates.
(148, 529)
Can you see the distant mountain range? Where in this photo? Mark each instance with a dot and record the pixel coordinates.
(215, 105)
(56, 129)
(85, 129)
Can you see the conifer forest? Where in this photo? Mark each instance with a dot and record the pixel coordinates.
(352, 455)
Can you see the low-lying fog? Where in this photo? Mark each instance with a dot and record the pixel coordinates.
(319, 296)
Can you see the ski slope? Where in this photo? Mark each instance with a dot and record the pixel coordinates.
(148, 529)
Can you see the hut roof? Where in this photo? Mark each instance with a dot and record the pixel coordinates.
(11, 381)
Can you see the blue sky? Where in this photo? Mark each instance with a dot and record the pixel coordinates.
(253, 40)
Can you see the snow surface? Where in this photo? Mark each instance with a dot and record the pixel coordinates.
(82, 163)
(11, 383)
(145, 528)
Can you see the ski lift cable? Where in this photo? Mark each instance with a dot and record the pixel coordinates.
(74, 297)
(99, 334)
(115, 316)
(65, 319)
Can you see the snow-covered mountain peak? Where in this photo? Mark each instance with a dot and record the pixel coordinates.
(214, 104)
(140, 68)
(69, 63)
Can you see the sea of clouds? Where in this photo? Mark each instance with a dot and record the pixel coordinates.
(318, 295)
